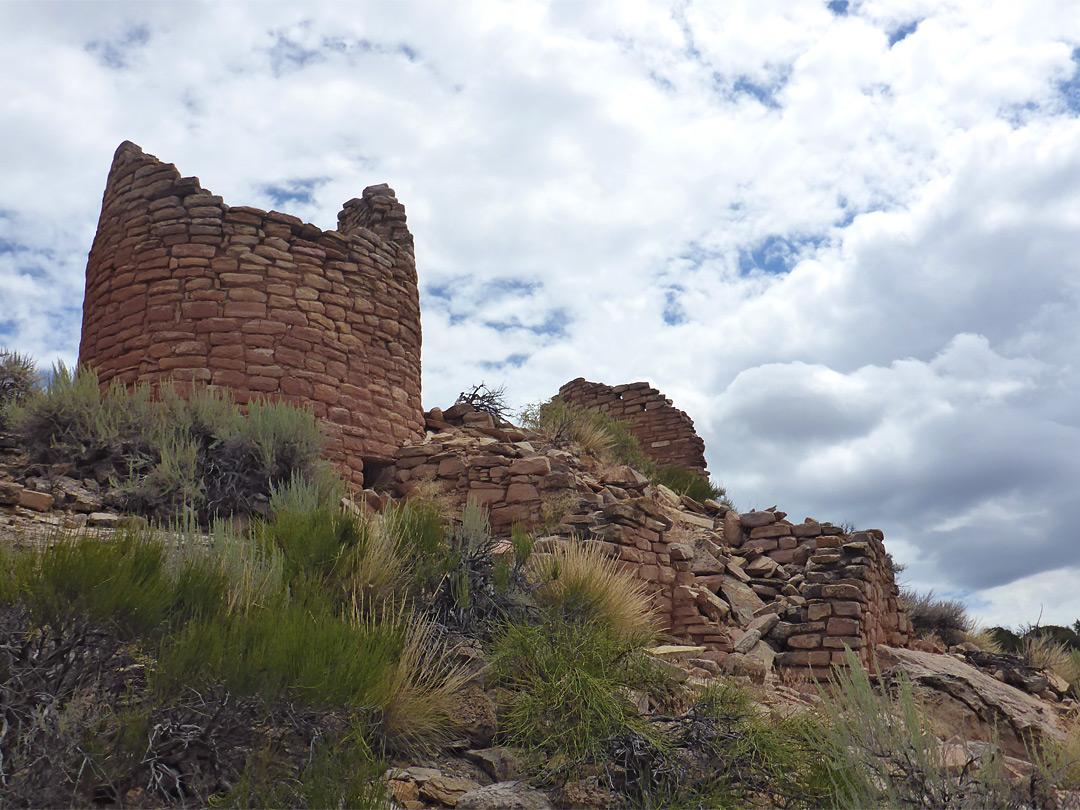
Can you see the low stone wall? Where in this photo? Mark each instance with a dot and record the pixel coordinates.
(749, 591)
(665, 433)
(848, 594)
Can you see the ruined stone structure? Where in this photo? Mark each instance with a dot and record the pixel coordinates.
(752, 590)
(848, 593)
(665, 433)
(180, 285)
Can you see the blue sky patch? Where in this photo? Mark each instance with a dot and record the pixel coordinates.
(295, 190)
(554, 325)
(903, 32)
(504, 287)
(114, 53)
(440, 291)
(695, 256)
(764, 93)
(286, 54)
(1070, 89)
(839, 7)
(776, 254)
(512, 360)
(674, 314)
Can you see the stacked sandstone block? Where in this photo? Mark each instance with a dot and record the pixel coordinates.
(635, 531)
(548, 491)
(847, 592)
(665, 433)
(485, 465)
(181, 286)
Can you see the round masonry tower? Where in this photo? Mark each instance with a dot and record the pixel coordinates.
(181, 286)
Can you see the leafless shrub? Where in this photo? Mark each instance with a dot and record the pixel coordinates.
(486, 400)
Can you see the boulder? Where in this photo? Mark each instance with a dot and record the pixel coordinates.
(447, 790)
(587, 793)
(754, 520)
(965, 703)
(505, 796)
(10, 493)
(501, 764)
(38, 501)
(476, 716)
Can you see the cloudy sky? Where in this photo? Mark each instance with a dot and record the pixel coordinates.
(843, 236)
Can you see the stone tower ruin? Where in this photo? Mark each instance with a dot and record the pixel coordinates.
(181, 286)
(666, 434)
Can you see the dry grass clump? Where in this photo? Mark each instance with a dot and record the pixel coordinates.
(946, 619)
(1044, 653)
(376, 569)
(984, 639)
(580, 581)
(418, 695)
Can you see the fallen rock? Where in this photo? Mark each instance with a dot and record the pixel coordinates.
(694, 520)
(77, 496)
(755, 520)
(965, 703)
(500, 763)
(417, 774)
(505, 796)
(403, 791)
(10, 493)
(476, 716)
(447, 790)
(762, 567)
(744, 602)
(747, 642)
(104, 520)
(38, 501)
(587, 793)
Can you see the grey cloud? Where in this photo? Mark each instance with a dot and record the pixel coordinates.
(581, 196)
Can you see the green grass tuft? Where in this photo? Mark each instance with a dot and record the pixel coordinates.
(687, 482)
(571, 687)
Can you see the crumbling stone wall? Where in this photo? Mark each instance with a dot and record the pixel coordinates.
(748, 592)
(665, 433)
(180, 285)
(845, 591)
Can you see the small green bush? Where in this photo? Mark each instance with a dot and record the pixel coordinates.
(314, 543)
(341, 770)
(571, 687)
(418, 529)
(723, 752)
(19, 379)
(692, 484)
(945, 619)
(301, 650)
(71, 420)
(120, 581)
